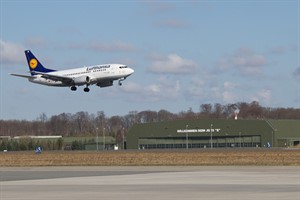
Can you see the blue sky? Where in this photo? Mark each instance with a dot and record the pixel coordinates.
(184, 53)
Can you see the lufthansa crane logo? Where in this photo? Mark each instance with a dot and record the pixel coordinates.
(33, 63)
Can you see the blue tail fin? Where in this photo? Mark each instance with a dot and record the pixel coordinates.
(34, 64)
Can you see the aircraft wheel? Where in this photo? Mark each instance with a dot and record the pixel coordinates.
(86, 89)
(73, 88)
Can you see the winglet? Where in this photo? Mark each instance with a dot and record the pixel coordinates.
(34, 64)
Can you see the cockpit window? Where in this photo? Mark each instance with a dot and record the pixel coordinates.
(121, 67)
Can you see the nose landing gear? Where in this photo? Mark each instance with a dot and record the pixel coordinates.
(122, 79)
(74, 88)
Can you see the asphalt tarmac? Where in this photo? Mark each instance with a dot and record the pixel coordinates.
(143, 183)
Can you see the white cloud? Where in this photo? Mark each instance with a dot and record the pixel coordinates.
(173, 64)
(154, 89)
(228, 97)
(131, 87)
(229, 85)
(11, 53)
(283, 49)
(228, 93)
(245, 61)
(36, 42)
(204, 89)
(156, 57)
(209, 89)
(278, 50)
(165, 10)
(118, 46)
(163, 89)
(263, 95)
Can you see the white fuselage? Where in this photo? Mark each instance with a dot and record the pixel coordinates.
(100, 75)
(95, 74)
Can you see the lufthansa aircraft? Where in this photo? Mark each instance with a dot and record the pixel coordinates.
(101, 75)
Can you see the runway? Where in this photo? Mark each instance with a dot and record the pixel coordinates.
(136, 183)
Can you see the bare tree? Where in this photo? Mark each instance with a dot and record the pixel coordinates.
(83, 123)
(206, 110)
(164, 115)
(217, 113)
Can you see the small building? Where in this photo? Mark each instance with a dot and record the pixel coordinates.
(107, 143)
(213, 133)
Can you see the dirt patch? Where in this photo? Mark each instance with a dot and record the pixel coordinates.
(153, 158)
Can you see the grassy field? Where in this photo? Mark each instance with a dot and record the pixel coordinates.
(273, 157)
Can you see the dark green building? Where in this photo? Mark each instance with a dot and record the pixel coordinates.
(214, 133)
(287, 132)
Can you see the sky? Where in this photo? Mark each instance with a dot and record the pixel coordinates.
(184, 54)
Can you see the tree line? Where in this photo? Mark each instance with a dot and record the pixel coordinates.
(86, 124)
(30, 144)
(25, 144)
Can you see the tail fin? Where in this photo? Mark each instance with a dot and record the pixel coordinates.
(34, 64)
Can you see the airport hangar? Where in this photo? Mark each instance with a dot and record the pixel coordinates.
(214, 133)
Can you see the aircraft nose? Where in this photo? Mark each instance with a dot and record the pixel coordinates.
(131, 71)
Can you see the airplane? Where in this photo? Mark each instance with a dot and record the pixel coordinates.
(102, 75)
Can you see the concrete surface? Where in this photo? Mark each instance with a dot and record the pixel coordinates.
(143, 183)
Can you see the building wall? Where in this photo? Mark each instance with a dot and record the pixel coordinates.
(201, 134)
(287, 132)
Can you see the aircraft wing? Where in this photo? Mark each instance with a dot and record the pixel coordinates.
(64, 79)
(21, 75)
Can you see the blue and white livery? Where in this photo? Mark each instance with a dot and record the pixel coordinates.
(100, 75)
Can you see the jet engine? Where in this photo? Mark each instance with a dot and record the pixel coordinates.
(82, 80)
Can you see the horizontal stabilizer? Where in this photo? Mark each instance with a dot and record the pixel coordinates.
(21, 75)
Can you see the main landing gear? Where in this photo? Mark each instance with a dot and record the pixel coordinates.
(73, 88)
(86, 89)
